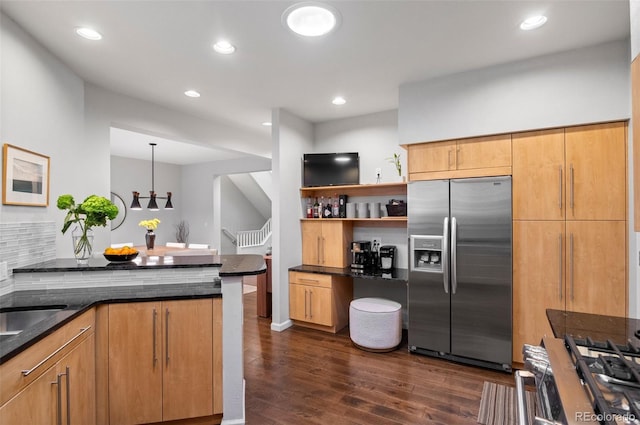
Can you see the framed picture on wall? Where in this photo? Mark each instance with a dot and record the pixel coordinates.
(25, 177)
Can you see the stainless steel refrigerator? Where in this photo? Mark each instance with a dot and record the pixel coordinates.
(460, 287)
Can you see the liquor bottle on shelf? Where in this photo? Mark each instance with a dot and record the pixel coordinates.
(309, 212)
(335, 211)
(327, 209)
(316, 209)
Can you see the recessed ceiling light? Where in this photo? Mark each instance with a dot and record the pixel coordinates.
(224, 47)
(338, 100)
(88, 33)
(192, 93)
(311, 19)
(533, 22)
(267, 124)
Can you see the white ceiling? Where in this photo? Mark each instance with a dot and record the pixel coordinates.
(155, 50)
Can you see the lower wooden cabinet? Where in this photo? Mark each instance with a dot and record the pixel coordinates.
(62, 392)
(320, 301)
(565, 265)
(162, 357)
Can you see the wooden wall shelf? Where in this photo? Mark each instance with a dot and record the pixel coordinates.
(367, 222)
(380, 189)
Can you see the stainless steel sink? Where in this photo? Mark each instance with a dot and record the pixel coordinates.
(15, 320)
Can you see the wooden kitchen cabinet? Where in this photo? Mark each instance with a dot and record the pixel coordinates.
(62, 392)
(161, 360)
(596, 180)
(325, 242)
(538, 183)
(320, 301)
(577, 173)
(475, 157)
(596, 279)
(565, 265)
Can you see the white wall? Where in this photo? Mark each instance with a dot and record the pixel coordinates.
(576, 87)
(292, 136)
(374, 136)
(42, 110)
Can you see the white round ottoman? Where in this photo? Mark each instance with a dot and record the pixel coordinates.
(375, 324)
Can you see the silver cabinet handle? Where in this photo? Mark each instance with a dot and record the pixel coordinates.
(449, 159)
(458, 156)
(560, 189)
(318, 251)
(445, 254)
(309, 280)
(571, 263)
(571, 171)
(310, 304)
(155, 328)
(323, 246)
(454, 255)
(166, 336)
(305, 304)
(58, 382)
(68, 395)
(62, 347)
(560, 266)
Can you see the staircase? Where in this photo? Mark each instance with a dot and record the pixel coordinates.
(251, 238)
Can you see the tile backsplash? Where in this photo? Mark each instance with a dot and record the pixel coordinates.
(25, 243)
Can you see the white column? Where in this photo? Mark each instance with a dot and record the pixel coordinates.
(232, 352)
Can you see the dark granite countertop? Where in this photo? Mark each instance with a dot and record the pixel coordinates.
(598, 327)
(74, 301)
(230, 265)
(396, 274)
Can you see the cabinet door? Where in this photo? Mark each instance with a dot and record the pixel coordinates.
(320, 306)
(484, 152)
(187, 354)
(431, 157)
(334, 246)
(80, 383)
(596, 177)
(538, 175)
(36, 404)
(538, 279)
(596, 271)
(135, 363)
(311, 242)
(298, 295)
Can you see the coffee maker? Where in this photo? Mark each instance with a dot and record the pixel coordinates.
(361, 255)
(387, 257)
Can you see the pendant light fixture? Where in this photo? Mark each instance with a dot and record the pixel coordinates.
(153, 205)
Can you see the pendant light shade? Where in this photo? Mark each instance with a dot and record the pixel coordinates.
(153, 204)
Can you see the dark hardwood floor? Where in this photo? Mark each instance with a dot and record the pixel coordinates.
(304, 376)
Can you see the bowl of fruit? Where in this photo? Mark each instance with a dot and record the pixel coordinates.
(125, 253)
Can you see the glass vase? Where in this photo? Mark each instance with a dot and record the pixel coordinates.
(82, 239)
(150, 239)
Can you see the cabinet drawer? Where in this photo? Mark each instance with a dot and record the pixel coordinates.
(311, 279)
(44, 354)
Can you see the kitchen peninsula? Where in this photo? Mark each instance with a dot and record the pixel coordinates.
(163, 311)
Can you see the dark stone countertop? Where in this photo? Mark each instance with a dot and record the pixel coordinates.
(230, 265)
(77, 300)
(599, 328)
(401, 275)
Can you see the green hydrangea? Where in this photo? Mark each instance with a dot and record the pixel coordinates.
(93, 211)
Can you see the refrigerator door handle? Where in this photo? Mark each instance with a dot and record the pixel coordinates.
(445, 254)
(454, 248)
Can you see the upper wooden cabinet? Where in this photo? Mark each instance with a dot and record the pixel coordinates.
(635, 118)
(577, 173)
(596, 179)
(479, 156)
(539, 175)
(325, 242)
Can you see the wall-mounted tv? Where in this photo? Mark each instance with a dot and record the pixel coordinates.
(330, 169)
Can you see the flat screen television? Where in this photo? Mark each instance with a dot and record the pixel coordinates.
(330, 169)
